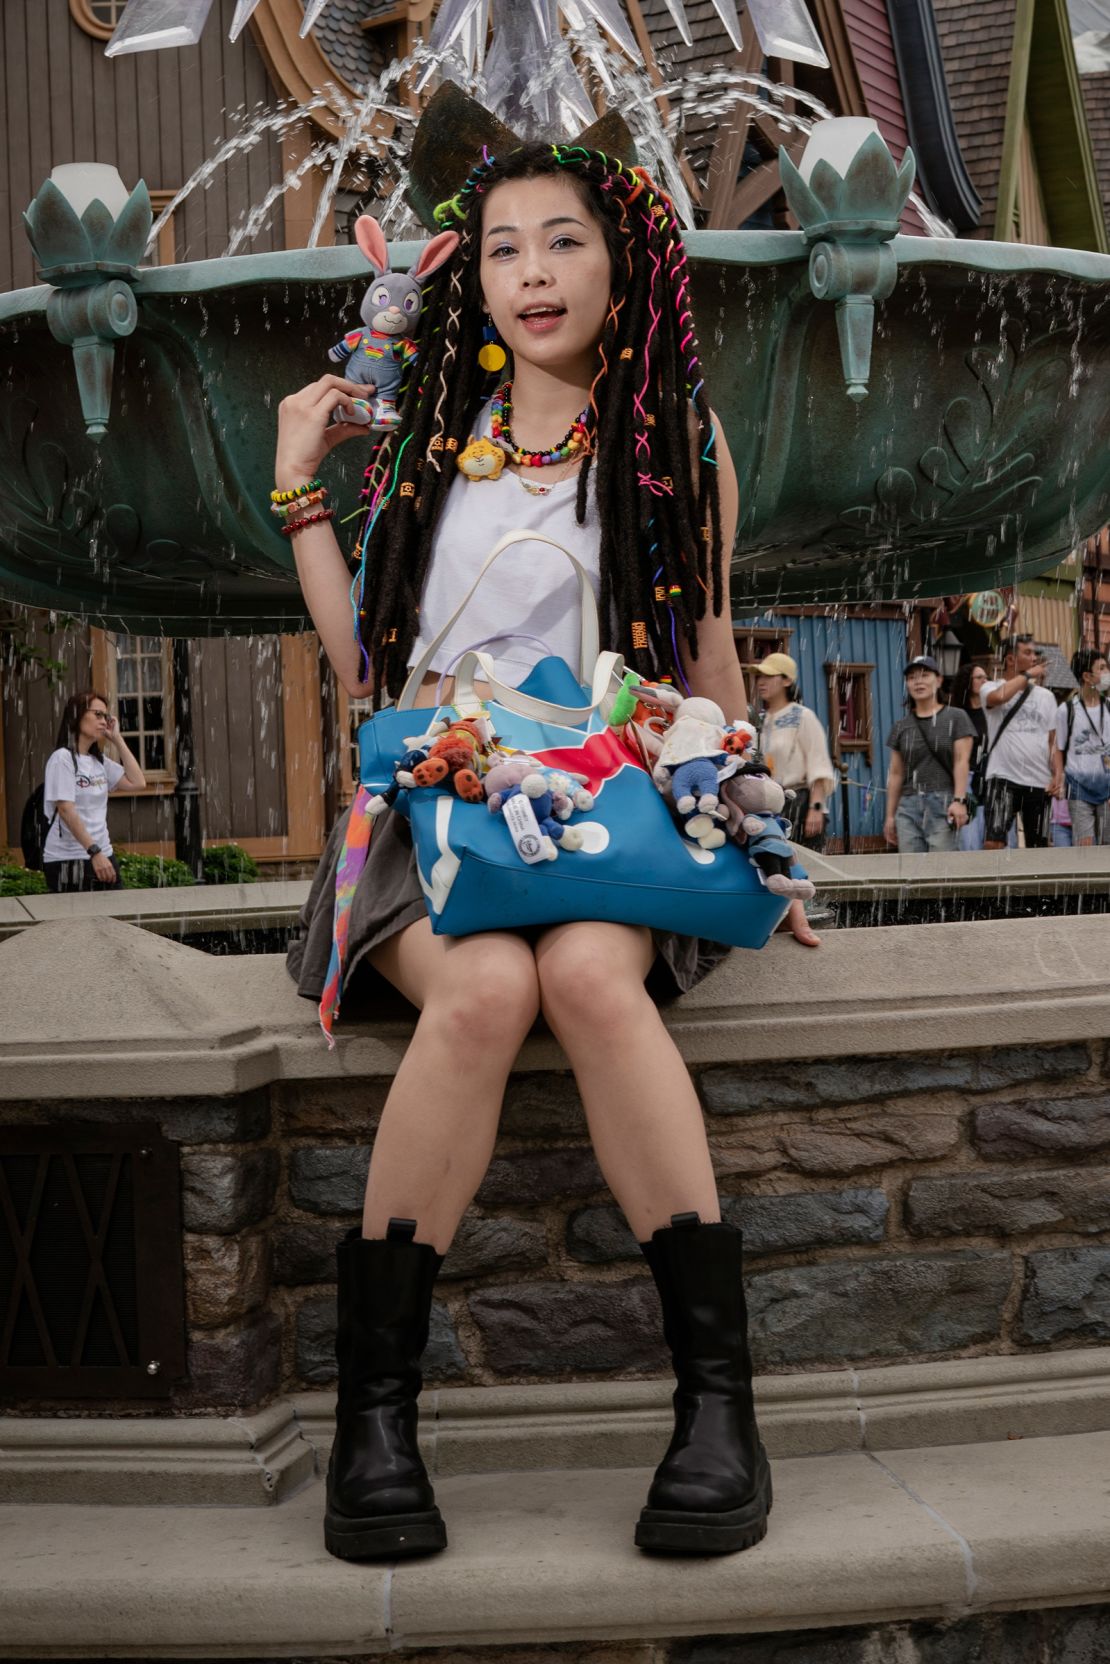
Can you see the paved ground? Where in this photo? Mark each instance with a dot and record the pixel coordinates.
(549, 1556)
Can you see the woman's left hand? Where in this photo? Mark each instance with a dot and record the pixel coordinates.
(814, 823)
(111, 730)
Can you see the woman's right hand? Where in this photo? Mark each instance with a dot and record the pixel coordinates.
(306, 432)
(890, 831)
(103, 869)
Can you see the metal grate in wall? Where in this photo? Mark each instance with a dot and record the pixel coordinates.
(92, 1301)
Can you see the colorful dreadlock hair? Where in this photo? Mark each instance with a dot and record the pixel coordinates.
(661, 556)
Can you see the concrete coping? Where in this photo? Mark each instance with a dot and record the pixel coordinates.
(98, 1008)
(854, 1538)
(256, 1460)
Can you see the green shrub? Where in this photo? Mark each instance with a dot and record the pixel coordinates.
(150, 872)
(229, 864)
(20, 881)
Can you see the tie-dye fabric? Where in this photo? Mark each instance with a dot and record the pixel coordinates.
(352, 860)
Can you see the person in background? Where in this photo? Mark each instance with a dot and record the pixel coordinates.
(967, 685)
(792, 737)
(77, 853)
(1083, 741)
(930, 758)
(1024, 768)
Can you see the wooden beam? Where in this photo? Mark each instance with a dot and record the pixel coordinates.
(302, 719)
(728, 151)
(655, 76)
(299, 69)
(753, 191)
(300, 206)
(1020, 52)
(829, 18)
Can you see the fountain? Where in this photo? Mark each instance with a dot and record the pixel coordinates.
(909, 415)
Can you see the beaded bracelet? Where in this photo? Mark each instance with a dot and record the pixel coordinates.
(285, 509)
(295, 526)
(295, 492)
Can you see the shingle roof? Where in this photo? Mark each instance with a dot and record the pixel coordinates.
(976, 38)
(711, 48)
(1096, 97)
(356, 53)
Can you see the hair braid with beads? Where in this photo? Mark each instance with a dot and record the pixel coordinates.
(658, 504)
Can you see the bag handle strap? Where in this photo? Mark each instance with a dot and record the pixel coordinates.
(608, 672)
(591, 634)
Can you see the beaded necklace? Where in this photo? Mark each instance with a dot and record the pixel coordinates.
(577, 437)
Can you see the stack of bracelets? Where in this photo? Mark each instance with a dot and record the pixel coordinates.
(291, 506)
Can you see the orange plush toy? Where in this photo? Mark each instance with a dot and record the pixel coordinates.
(459, 751)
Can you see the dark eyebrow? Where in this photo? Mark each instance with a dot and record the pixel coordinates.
(562, 219)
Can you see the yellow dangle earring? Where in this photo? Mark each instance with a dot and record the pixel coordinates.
(491, 354)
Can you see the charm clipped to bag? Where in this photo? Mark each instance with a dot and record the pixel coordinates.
(377, 355)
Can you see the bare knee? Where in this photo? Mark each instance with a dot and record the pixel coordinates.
(487, 999)
(593, 981)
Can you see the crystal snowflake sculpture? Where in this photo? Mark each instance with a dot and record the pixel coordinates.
(784, 28)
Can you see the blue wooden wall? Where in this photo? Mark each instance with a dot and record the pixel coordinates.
(818, 641)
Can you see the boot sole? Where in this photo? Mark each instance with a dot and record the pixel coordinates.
(389, 1538)
(677, 1531)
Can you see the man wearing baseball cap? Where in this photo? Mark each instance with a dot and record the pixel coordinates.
(930, 759)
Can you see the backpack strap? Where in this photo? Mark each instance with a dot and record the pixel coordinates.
(1005, 723)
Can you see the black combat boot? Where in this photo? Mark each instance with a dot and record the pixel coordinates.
(380, 1501)
(712, 1491)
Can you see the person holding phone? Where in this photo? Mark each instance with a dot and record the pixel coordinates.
(77, 853)
(1024, 768)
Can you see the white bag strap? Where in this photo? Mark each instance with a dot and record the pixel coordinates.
(591, 634)
(607, 677)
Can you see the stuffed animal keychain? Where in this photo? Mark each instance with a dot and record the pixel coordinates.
(697, 753)
(377, 355)
(753, 802)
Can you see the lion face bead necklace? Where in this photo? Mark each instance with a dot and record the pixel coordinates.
(575, 443)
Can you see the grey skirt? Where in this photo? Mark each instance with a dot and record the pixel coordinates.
(389, 898)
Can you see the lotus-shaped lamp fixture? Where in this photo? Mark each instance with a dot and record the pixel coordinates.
(88, 235)
(848, 197)
(84, 227)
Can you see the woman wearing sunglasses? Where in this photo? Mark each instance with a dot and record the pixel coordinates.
(77, 853)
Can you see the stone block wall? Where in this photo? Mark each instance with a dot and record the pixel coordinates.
(893, 1208)
(1068, 1635)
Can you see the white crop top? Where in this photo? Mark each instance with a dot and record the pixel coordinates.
(530, 592)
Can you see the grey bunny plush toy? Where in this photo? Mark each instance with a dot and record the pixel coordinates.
(377, 355)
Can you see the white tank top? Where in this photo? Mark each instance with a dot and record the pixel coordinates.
(530, 592)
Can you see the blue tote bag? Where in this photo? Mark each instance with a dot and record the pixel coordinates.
(634, 867)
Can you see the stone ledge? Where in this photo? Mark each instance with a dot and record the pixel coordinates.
(853, 1538)
(222, 1025)
(254, 1460)
(258, 1460)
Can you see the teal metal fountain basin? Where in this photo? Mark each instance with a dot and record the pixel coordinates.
(979, 456)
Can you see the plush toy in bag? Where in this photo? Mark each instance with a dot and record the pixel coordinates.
(753, 803)
(552, 796)
(697, 753)
(377, 355)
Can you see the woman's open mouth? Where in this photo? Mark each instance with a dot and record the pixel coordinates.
(538, 320)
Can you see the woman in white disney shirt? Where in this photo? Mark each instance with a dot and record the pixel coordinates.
(77, 853)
